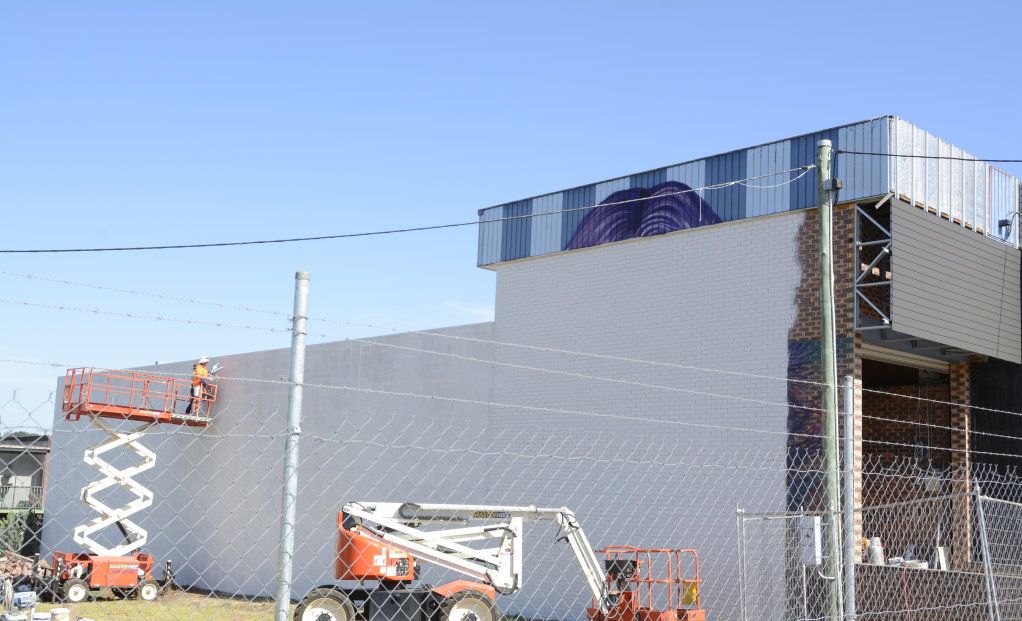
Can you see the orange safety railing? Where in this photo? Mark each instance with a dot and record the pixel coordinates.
(135, 395)
(661, 577)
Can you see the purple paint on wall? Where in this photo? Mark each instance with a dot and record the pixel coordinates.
(641, 212)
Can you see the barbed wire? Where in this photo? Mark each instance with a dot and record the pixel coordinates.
(372, 341)
(400, 331)
(941, 427)
(570, 373)
(138, 292)
(941, 402)
(507, 405)
(161, 318)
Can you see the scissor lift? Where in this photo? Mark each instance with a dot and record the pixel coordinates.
(141, 397)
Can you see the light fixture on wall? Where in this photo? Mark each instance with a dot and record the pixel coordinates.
(1006, 223)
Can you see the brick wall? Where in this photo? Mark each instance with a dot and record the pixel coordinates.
(804, 334)
(886, 593)
(807, 295)
(902, 424)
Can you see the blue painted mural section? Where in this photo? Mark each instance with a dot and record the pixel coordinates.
(642, 211)
(638, 205)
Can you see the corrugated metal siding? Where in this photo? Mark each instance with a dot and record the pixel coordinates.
(505, 240)
(970, 194)
(953, 286)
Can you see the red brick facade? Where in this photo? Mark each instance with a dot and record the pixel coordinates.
(908, 423)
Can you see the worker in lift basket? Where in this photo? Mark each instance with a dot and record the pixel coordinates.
(200, 385)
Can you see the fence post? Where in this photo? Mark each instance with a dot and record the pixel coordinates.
(993, 605)
(740, 519)
(285, 558)
(849, 504)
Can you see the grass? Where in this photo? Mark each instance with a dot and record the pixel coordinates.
(173, 606)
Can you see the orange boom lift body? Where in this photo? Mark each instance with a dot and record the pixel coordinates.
(382, 542)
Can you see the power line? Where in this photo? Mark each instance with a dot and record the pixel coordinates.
(286, 240)
(842, 152)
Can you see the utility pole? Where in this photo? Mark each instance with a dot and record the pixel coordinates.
(828, 362)
(285, 557)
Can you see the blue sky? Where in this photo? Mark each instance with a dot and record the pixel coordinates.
(145, 123)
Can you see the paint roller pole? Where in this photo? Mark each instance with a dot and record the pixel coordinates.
(285, 558)
(829, 372)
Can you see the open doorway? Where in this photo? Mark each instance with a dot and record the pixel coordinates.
(906, 421)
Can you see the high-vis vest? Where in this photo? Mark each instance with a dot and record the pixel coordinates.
(199, 373)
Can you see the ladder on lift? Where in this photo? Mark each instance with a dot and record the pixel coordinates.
(147, 398)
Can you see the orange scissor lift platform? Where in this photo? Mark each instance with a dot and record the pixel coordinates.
(134, 395)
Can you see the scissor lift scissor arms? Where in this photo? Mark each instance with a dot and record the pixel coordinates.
(399, 524)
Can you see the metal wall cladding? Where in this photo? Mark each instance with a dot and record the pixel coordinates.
(953, 286)
(972, 194)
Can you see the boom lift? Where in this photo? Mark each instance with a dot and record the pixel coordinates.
(381, 541)
(120, 395)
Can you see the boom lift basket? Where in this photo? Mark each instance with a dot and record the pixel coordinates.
(652, 584)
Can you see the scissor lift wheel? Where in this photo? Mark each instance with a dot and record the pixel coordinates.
(148, 590)
(75, 591)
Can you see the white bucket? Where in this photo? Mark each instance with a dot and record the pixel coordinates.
(60, 614)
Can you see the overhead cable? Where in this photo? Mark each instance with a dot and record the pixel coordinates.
(926, 157)
(285, 240)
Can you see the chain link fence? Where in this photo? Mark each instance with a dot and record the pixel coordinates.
(747, 523)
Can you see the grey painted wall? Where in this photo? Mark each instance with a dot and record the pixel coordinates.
(954, 286)
(663, 466)
(218, 490)
(655, 457)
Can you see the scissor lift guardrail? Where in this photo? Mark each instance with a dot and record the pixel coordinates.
(126, 395)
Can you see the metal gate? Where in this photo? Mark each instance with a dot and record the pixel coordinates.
(780, 566)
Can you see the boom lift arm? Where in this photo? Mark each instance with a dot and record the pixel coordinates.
(400, 525)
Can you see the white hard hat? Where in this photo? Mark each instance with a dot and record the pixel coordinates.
(204, 360)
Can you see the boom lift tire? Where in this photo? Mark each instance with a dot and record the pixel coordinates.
(325, 604)
(75, 591)
(468, 605)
